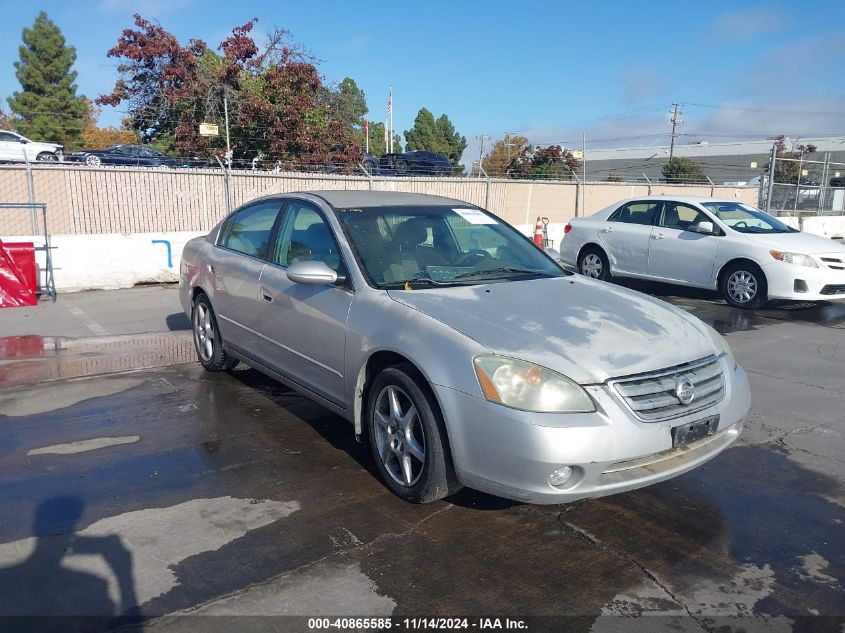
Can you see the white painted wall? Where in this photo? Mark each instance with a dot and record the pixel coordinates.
(107, 261)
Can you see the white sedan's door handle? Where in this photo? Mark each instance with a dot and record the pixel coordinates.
(658, 236)
(608, 229)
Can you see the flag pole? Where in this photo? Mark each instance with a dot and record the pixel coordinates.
(367, 135)
(390, 115)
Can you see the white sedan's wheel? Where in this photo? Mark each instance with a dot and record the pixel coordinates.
(593, 263)
(400, 436)
(743, 285)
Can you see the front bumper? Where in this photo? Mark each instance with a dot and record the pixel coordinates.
(802, 283)
(511, 453)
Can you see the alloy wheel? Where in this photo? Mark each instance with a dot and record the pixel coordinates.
(204, 334)
(742, 286)
(400, 437)
(592, 266)
(92, 161)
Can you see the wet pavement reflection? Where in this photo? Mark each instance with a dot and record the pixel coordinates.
(231, 494)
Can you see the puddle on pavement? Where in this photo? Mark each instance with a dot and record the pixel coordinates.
(35, 359)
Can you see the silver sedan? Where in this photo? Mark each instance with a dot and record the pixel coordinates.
(460, 352)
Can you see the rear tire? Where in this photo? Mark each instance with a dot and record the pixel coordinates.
(743, 285)
(207, 340)
(401, 166)
(406, 437)
(93, 161)
(593, 263)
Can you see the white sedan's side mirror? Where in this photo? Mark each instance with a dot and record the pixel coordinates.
(311, 273)
(704, 227)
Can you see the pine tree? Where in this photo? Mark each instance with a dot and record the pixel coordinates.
(47, 108)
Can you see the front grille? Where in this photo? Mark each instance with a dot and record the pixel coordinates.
(652, 397)
(836, 263)
(833, 290)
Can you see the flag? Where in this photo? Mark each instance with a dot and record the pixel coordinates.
(390, 102)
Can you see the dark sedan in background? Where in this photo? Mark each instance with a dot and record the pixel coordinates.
(416, 163)
(128, 155)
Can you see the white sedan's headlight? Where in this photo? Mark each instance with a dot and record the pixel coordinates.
(522, 385)
(794, 258)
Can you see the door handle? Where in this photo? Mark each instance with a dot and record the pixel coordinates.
(609, 229)
(658, 236)
(211, 268)
(265, 294)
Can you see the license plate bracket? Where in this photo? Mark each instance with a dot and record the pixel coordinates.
(692, 431)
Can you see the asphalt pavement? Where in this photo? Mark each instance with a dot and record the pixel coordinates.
(134, 487)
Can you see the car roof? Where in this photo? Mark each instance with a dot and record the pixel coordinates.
(694, 199)
(341, 198)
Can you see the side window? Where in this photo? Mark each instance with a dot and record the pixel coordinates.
(146, 152)
(306, 236)
(680, 216)
(635, 213)
(250, 229)
(5, 136)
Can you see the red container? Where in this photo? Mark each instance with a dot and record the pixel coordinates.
(23, 254)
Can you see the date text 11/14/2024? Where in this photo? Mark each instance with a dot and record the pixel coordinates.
(416, 624)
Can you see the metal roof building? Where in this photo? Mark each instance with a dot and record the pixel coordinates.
(731, 162)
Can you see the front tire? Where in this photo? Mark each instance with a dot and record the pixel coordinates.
(401, 166)
(207, 340)
(593, 263)
(744, 286)
(47, 157)
(406, 437)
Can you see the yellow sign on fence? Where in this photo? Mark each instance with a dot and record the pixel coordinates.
(209, 129)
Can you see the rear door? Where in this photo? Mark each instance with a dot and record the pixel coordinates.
(11, 147)
(678, 254)
(239, 258)
(626, 234)
(303, 327)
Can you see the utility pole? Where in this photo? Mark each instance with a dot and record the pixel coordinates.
(676, 120)
(228, 148)
(481, 138)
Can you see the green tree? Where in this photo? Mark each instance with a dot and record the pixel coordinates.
(348, 103)
(436, 136)
(551, 163)
(377, 146)
(683, 171)
(504, 150)
(47, 108)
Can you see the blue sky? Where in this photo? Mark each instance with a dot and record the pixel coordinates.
(548, 70)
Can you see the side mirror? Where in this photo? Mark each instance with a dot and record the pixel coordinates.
(704, 227)
(311, 273)
(24, 141)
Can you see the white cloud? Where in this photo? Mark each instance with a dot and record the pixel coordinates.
(747, 23)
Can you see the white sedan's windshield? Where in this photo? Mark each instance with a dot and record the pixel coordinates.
(745, 219)
(426, 246)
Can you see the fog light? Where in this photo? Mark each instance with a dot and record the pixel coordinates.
(560, 476)
(800, 285)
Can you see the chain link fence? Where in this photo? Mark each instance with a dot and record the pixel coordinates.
(804, 187)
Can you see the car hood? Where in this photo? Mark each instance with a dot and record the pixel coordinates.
(588, 330)
(805, 243)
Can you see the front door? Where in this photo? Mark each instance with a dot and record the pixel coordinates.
(626, 234)
(303, 327)
(678, 254)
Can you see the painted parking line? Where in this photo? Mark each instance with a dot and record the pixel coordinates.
(86, 319)
(81, 446)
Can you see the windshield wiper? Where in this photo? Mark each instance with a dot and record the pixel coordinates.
(505, 269)
(410, 283)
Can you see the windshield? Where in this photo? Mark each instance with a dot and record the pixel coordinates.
(745, 219)
(404, 247)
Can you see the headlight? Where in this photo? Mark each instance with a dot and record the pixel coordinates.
(522, 385)
(794, 258)
(722, 344)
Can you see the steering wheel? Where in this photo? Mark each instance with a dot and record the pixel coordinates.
(473, 253)
(743, 223)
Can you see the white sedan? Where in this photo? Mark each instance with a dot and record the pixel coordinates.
(744, 253)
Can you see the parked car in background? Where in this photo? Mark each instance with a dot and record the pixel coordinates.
(459, 351)
(416, 163)
(17, 148)
(128, 155)
(744, 253)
